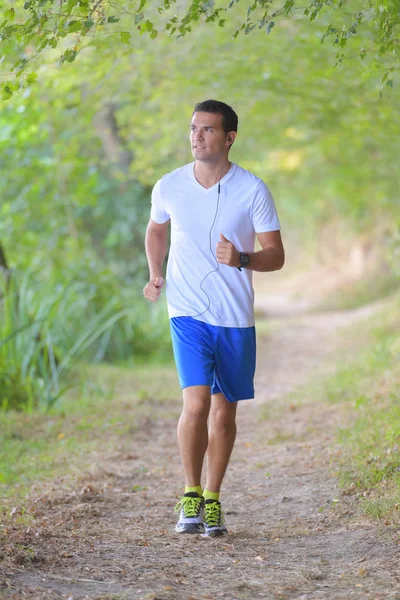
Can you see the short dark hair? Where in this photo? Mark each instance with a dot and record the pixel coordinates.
(229, 117)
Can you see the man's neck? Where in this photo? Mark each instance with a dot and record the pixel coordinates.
(208, 174)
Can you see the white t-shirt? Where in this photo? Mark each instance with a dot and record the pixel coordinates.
(244, 207)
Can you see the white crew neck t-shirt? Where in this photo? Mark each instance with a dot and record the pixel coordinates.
(197, 285)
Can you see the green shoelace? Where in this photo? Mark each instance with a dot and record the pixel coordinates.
(213, 514)
(191, 506)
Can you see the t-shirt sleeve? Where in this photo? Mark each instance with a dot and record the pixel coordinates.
(263, 214)
(158, 212)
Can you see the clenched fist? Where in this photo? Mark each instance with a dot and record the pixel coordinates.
(152, 290)
(227, 253)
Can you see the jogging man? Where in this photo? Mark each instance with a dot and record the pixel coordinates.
(216, 209)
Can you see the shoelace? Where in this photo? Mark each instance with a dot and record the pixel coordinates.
(213, 515)
(191, 506)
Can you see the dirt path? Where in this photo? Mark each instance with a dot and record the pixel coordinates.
(292, 534)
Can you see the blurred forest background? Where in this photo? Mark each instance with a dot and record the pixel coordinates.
(81, 148)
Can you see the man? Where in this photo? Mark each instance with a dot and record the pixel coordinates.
(216, 209)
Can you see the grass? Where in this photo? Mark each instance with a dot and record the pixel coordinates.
(363, 291)
(370, 463)
(45, 330)
(43, 333)
(366, 384)
(102, 412)
(111, 402)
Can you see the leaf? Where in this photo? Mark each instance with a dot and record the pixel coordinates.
(288, 6)
(125, 37)
(113, 19)
(68, 56)
(88, 24)
(31, 78)
(6, 92)
(270, 26)
(147, 26)
(74, 26)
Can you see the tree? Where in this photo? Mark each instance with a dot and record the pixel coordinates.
(80, 153)
(360, 27)
(312, 130)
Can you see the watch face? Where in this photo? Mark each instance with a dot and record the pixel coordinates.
(244, 259)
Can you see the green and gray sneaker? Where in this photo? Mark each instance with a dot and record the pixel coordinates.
(214, 522)
(191, 513)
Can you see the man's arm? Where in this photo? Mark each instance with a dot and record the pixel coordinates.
(156, 249)
(272, 255)
(270, 258)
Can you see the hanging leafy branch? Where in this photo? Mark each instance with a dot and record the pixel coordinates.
(28, 29)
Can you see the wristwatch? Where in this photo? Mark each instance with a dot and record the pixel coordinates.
(244, 260)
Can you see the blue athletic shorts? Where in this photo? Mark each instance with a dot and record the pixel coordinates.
(222, 357)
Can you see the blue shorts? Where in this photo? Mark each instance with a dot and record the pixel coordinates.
(222, 357)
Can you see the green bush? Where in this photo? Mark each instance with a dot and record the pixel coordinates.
(43, 332)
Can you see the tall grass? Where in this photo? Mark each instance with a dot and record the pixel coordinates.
(143, 335)
(44, 330)
(370, 445)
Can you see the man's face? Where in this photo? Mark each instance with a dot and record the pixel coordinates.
(207, 137)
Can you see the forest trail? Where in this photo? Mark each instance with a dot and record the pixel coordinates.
(292, 534)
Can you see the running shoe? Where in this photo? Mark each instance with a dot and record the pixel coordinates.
(214, 522)
(191, 513)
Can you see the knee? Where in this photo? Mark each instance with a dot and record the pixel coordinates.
(195, 413)
(222, 422)
(196, 404)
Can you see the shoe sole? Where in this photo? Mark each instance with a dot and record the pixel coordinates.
(190, 529)
(215, 533)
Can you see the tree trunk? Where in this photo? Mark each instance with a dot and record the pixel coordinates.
(114, 145)
(4, 267)
(3, 260)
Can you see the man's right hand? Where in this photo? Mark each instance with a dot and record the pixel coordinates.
(152, 290)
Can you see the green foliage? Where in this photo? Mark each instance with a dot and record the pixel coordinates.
(320, 136)
(59, 214)
(80, 154)
(51, 151)
(43, 332)
(67, 214)
(35, 27)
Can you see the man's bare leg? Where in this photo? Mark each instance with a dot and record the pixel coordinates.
(221, 438)
(192, 431)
